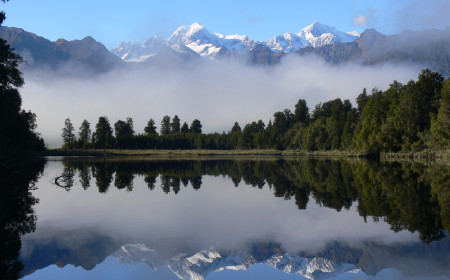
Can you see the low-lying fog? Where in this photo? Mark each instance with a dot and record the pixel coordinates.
(218, 93)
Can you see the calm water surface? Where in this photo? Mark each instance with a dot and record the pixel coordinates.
(236, 219)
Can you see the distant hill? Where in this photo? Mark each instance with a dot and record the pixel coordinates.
(63, 56)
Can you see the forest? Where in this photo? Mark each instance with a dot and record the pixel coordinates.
(409, 117)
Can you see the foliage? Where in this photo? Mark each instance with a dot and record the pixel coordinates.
(84, 135)
(17, 216)
(17, 135)
(103, 137)
(150, 128)
(440, 124)
(68, 134)
(184, 128)
(196, 126)
(407, 117)
(165, 125)
(175, 125)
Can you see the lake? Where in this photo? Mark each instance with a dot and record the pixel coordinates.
(226, 218)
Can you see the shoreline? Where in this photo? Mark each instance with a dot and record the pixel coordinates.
(195, 153)
(439, 156)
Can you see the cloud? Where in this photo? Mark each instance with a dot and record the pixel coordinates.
(366, 17)
(360, 21)
(218, 93)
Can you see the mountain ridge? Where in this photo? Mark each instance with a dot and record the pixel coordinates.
(64, 56)
(200, 40)
(87, 57)
(202, 263)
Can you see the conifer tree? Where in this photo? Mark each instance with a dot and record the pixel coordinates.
(196, 126)
(175, 125)
(165, 125)
(184, 128)
(68, 134)
(150, 128)
(103, 137)
(84, 134)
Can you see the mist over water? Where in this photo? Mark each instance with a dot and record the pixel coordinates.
(218, 93)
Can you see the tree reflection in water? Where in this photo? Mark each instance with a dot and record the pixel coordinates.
(408, 196)
(16, 212)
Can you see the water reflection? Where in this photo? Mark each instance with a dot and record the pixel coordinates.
(16, 213)
(408, 196)
(351, 214)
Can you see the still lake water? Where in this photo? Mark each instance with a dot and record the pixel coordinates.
(262, 218)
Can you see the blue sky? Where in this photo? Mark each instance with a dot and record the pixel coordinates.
(113, 21)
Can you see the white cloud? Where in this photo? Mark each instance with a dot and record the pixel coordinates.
(360, 21)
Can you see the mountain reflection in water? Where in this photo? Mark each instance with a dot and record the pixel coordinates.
(352, 214)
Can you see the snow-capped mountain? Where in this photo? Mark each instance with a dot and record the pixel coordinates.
(197, 38)
(199, 265)
(132, 50)
(314, 35)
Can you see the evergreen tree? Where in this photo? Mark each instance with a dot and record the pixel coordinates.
(361, 100)
(68, 134)
(84, 134)
(175, 125)
(301, 113)
(150, 128)
(165, 125)
(440, 125)
(124, 133)
(196, 126)
(124, 129)
(367, 132)
(103, 137)
(236, 127)
(130, 126)
(185, 128)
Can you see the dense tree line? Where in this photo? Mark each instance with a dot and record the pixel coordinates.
(407, 117)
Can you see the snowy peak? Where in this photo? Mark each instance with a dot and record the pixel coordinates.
(188, 34)
(319, 34)
(198, 39)
(139, 253)
(154, 41)
(199, 265)
(314, 35)
(354, 33)
(317, 29)
(287, 42)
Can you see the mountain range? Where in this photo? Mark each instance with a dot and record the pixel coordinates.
(336, 258)
(202, 263)
(427, 48)
(198, 39)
